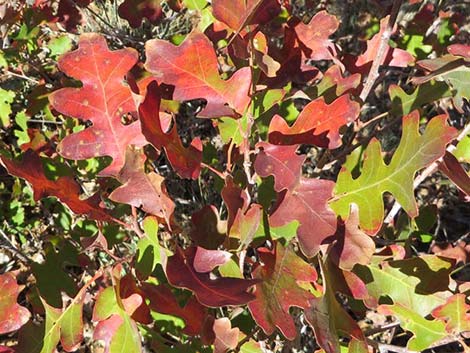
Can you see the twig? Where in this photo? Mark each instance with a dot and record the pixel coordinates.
(24, 77)
(426, 173)
(383, 347)
(13, 249)
(382, 328)
(381, 51)
(213, 170)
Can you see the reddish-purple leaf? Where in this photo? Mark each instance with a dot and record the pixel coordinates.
(210, 292)
(226, 337)
(12, 315)
(65, 188)
(235, 199)
(144, 190)
(451, 167)
(318, 123)
(207, 229)
(279, 272)
(162, 300)
(185, 161)
(239, 13)
(134, 11)
(334, 78)
(206, 260)
(302, 199)
(192, 68)
(314, 36)
(104, 99)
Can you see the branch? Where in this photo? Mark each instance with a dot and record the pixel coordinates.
(381, 51)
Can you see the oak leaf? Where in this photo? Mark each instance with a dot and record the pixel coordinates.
(455, 313)
(280, 272)
(65, 188)
(140, 189)
(318, 123)
(104, 99)
(185, 161)
(192, 68)
(239, 13)
(414, 152)
(209, 292)
(134, 11)
(226, 337)
(12, 315)
(301, 199)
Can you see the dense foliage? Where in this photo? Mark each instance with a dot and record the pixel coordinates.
(234, 176)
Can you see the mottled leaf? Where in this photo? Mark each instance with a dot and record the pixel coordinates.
(12, 315)
(318, 123)
(209, 292)
(192, 69)
(328, 318)
(455, 313)
(104, 99)
(140, 189)
(278, 290)
(414, 152)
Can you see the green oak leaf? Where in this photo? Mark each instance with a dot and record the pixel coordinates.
(462, 151)
(414, 152)
(455, 312)
(418, 284)
(403, 103)
(6, 98)
(425, 332)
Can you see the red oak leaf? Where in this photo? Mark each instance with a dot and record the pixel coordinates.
(226, 337)
(12, 315)
(280, 272)
(192, 68)
(317, 124)
(134, 11)
(239, 13)
(210, 292)
(185, 161)
(140, 189)
(301, 199)
(393, 57)
(162, 300)
(103, 99)
(65, 188)
(314, 36)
